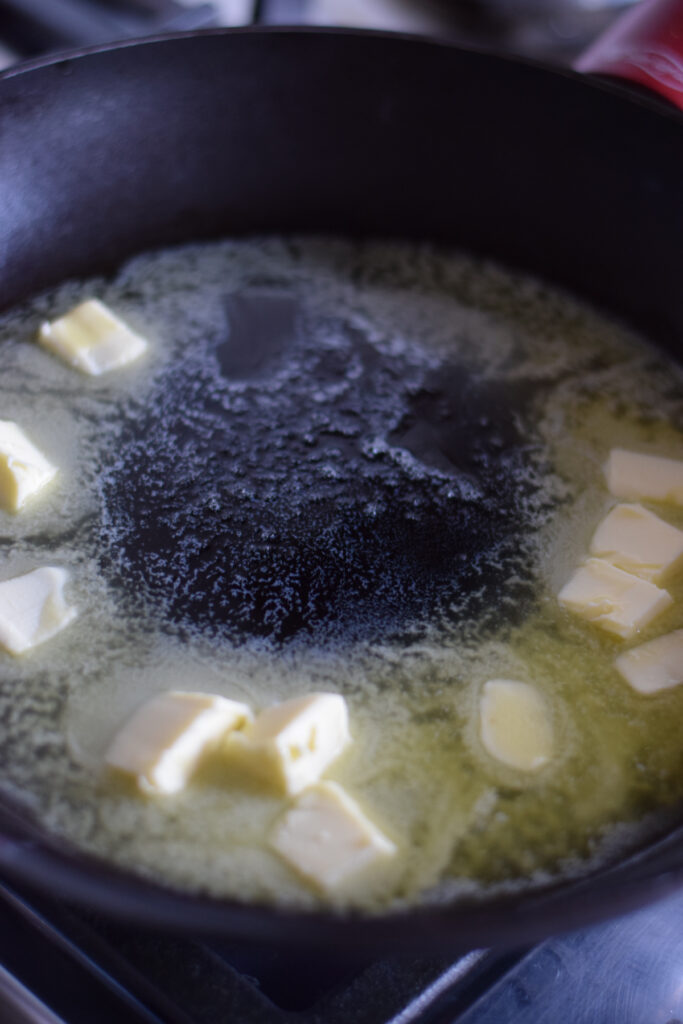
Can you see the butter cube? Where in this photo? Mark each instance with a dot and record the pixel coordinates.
(326, 837)
(656, 665)
(166, 738)
(633, 475)
(613, 599)
(516, 724)
(33, 609)
(291, 744)
(638, 541)
(23, 469)
(91, 338)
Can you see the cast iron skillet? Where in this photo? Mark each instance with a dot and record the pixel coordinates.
(114, 151)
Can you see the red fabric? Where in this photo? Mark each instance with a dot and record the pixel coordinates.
(645, 46)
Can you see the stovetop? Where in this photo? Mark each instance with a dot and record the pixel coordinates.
(61, 965)
(555, 30)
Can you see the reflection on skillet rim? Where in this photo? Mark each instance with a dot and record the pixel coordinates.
(648, 874)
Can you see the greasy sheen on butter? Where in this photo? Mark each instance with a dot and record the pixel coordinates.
(326, 837)
(24, 470)
(33, 609)
(654, 666)
(288, 746)
(636, 476)
(92, 338)
(162, 744)
(617, 601)
(639, 542)
(515, 724)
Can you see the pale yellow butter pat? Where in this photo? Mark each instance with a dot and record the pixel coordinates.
(92, 338)
(656, 665)
(633, 475)
(617, 601)
(327, 838)
(639, 542)
(23, 469)
(33, 609)
(515, 724)
(291, 744)
(166, 738)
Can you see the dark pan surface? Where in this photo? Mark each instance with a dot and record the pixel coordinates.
(305, 534)
(146, 145)
(224, 133)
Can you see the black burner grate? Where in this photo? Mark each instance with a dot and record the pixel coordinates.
(73, 961)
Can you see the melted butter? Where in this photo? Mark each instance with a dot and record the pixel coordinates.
(461, 820)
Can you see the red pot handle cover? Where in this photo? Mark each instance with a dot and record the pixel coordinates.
(645, 46)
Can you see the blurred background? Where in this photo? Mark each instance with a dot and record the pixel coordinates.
(554, 30)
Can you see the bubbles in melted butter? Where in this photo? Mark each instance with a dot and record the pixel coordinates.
(362, 401)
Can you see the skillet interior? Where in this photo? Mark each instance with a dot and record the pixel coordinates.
(414, 149)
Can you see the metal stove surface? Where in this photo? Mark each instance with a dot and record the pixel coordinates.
(62, 966)
(548, 29)
(59, 965)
